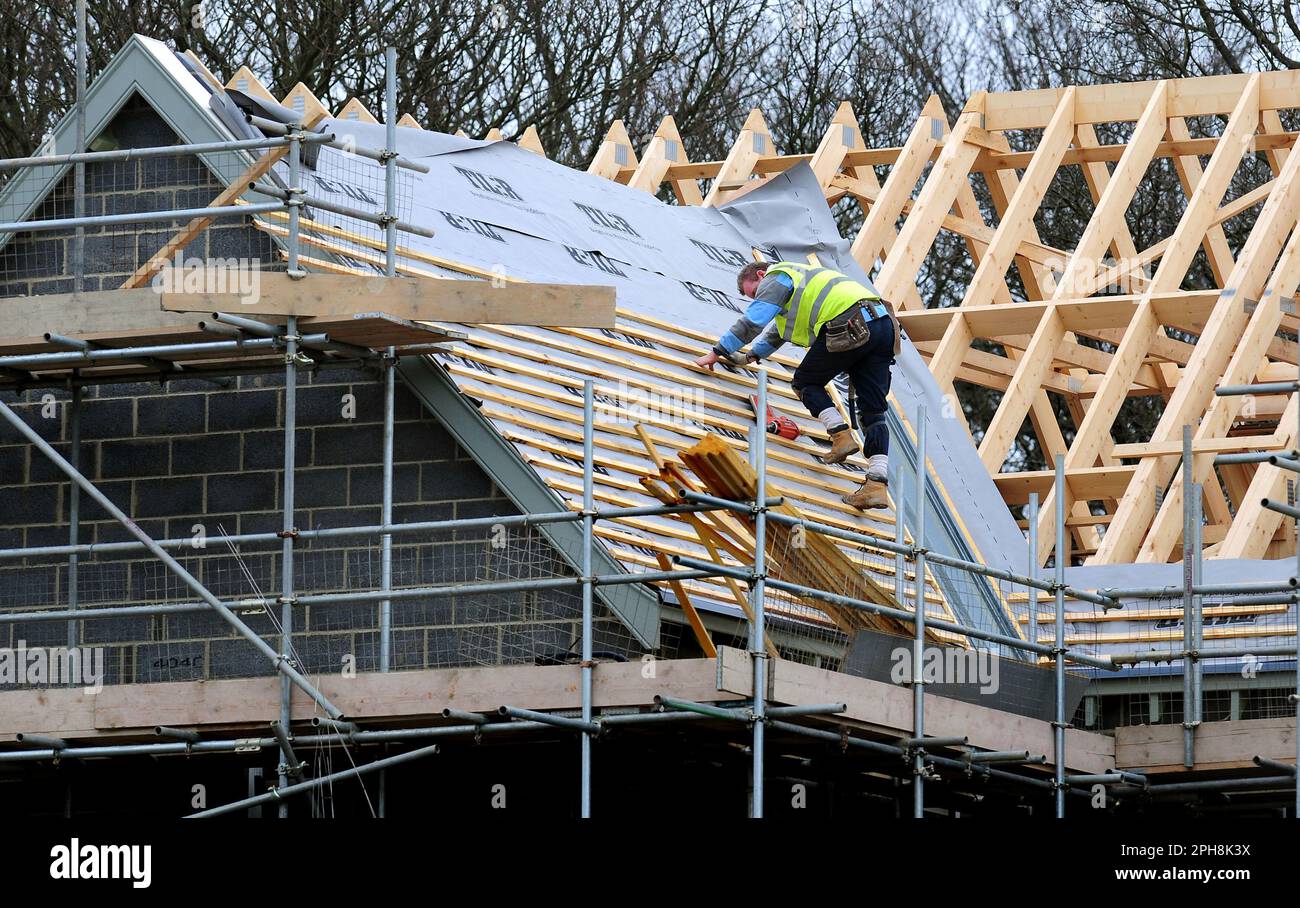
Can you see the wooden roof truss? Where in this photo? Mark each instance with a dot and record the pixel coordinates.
(1071, 334)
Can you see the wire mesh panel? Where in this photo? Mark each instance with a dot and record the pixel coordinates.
(353, 182)
(1241, 647)
(44, 261)
(452, 625)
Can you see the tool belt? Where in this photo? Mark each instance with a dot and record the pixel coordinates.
(849, 330)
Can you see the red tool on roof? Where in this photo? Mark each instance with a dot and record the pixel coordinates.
(777, 424)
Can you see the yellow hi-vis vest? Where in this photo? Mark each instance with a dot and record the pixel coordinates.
(819, 295)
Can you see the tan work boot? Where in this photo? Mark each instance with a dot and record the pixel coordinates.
(843, 444)
(868, 496)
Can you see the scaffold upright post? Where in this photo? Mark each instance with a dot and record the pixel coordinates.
(1032, 572)
(287, 531)
(390, 161)
(293, 199)
(1198, 620)
(1189, 557)
(918, 641)
(900, 537)
(79, 168)
(389, 378)
(757, 594)
(588, 506)
(1058, 645)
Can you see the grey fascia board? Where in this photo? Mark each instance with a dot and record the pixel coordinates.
(635, 605)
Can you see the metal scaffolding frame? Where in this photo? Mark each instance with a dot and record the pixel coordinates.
(244, 336)
(917, 750)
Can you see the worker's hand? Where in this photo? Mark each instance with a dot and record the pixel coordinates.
(707, 360)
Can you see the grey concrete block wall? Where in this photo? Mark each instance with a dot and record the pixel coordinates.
(175, 486)
(38, 263)
(193, 460)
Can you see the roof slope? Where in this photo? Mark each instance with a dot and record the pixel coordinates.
(501, 211)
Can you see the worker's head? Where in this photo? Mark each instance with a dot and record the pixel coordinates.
(750, 277)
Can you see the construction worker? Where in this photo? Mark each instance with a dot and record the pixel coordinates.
(846, 327)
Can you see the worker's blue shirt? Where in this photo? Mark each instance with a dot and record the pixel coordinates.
(769, 300)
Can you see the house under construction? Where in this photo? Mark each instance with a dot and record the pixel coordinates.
(360, 468)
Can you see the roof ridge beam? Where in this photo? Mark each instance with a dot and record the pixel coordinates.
(1194, 96)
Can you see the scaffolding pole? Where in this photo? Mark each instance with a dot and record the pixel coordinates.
(283, 791)
(450, 589)
(1189, 580)
(918, 639)
(287, 527)
(1032, 571)
(390, 367)
(885, 545)
(906, 616)
(757, 595)
(417, 527)
(1198, 619)
(900, 537)
(144, 217)
(293, 200)
(390, 161)
(588, 490)
(1062, 555)
(79, 168)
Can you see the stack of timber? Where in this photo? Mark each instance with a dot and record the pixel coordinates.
(797, 554)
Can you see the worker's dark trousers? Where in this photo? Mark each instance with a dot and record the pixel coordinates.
(868, 369)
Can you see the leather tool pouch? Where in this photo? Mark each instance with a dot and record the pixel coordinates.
(848, 331)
